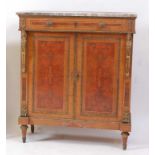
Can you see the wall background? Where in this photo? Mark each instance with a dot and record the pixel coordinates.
(140, 86)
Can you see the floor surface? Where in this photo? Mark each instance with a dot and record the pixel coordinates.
(48, 143)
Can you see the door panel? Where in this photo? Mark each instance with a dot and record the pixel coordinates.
(51, 61)
(99, 59)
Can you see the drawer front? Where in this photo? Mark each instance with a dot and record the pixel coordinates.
(80, 24)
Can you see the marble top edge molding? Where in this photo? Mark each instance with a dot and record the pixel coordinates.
(79, 14)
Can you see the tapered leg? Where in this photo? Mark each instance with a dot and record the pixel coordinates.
(124, 139)
(24, 131)
(32, 128)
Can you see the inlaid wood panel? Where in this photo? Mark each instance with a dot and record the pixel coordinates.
(98, 64)
(99, 79)
(49, 74)
(52, 85)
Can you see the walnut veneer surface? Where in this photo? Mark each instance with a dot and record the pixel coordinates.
(76, 70)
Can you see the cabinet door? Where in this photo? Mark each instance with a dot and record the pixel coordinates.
(50, 65)
(99, 93)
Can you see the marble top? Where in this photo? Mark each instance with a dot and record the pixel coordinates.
(79, 14)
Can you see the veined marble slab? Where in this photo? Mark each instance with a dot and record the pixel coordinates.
(79, 14)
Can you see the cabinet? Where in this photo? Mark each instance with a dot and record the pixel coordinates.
(76, 70)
